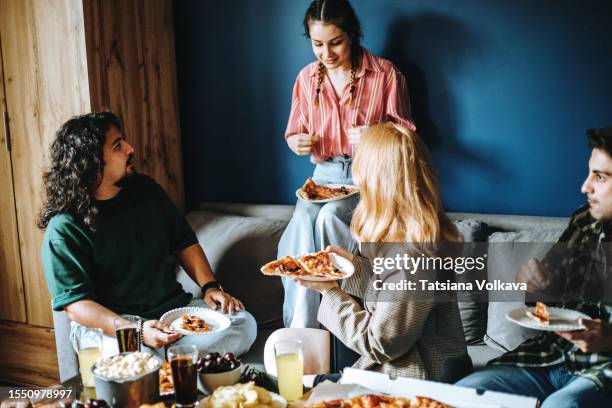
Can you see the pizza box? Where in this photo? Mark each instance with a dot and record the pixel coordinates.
(453, 395)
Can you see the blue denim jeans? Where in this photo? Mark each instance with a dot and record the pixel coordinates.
(555, 386)
(312, 228)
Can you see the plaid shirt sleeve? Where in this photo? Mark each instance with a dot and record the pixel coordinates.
(549, 349)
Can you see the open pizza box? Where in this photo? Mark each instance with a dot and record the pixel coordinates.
(459, 397)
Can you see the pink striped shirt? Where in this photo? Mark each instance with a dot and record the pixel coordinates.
(380, 95)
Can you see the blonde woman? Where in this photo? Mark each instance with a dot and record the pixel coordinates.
(405, 333)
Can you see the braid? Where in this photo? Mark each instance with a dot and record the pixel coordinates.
(320, 75)
(353, 73)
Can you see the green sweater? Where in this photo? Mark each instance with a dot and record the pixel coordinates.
(127, 264)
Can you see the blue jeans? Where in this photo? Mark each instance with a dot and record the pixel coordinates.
(312, 228)
(556, 386)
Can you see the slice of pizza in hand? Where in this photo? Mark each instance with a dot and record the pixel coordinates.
(540, 314)
(320, 265)
(286, 266)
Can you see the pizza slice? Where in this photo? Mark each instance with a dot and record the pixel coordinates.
(195, 324)
(286, 266)
(320, 264)
(380, 401)
(424, 402)
(308, 190)
(540, 314)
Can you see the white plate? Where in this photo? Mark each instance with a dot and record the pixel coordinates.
(217, 320)
(339, 262)
(204, 403)
(327, 200)
(560, 319)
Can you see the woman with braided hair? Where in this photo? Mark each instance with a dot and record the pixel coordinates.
(334, 99)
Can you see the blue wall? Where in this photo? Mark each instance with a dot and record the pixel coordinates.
(502, 92)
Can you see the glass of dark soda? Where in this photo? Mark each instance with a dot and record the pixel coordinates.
(183, 365)
(127, 331)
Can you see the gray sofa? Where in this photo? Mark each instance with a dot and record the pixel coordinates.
(239, 238)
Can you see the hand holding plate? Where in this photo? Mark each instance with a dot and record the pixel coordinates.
(342, 252)
(156, 334)
(593, 339)
(319, 286)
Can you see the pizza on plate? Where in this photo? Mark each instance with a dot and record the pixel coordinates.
(320, 264)
(313, 191)
(286, 266)
(540, 314)
(195, 324)
(380, 401)
(316, 265)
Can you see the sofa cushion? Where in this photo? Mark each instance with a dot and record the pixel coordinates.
(473, 312)
(236, 248)
(507, 252)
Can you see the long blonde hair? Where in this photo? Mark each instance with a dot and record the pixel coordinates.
(400, 200)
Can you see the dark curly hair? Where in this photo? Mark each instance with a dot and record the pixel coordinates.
(77, 164)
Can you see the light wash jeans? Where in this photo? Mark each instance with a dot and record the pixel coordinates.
(556, 386)
(312, 228)
(237, 338)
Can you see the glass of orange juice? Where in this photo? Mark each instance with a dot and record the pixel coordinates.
(89, 350)
(290, 368)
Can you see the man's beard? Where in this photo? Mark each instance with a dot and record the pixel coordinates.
(126, 179)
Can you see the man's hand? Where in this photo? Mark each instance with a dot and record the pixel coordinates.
(591, 340)
(342, 252)
(155, 337)
(535, 275)
(301, 143)
(321, 287)
(228, 303)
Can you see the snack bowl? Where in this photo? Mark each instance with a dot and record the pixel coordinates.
(211, 381)
(131, 391)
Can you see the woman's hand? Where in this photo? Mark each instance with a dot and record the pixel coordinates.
(321, 287)
(155, 334)
(342, 252)
(301, 143)
(355, 133)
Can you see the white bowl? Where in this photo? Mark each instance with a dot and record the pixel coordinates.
(211, 381)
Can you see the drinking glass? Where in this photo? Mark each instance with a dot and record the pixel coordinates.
(89, 350)
(127, 331)
(290, 368)
(183, 365)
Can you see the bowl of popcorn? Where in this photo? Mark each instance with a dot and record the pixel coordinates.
(128, 379)
(216, 370)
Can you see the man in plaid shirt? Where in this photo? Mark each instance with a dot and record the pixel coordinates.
(568, 369)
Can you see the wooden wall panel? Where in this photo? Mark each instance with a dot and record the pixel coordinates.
(27, 355)
(132, 71)
(12, 304)
(43, 50)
